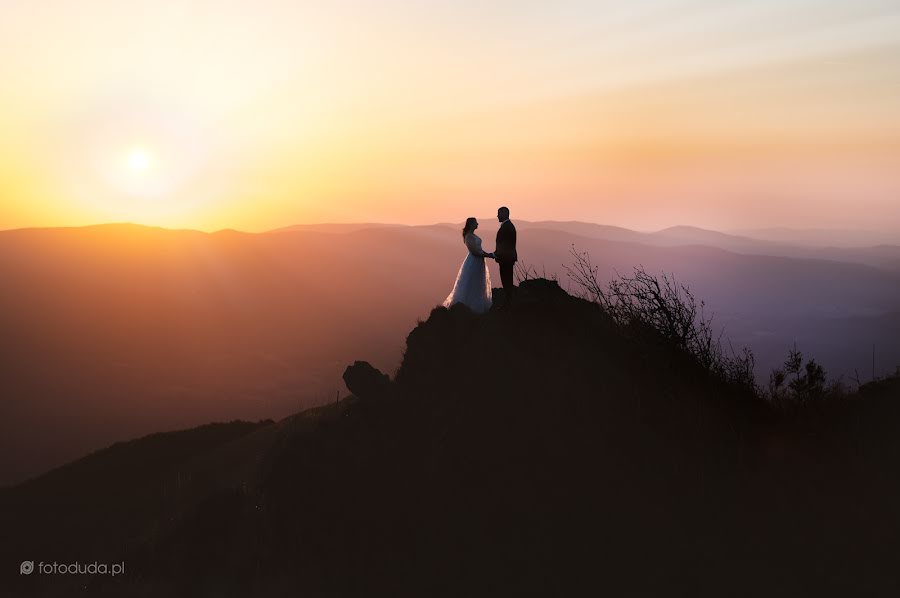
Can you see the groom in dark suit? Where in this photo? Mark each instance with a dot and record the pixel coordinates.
(505, 254)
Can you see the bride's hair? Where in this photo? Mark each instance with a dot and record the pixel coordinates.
(469, 227)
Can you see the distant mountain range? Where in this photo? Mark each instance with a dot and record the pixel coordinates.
(820, 237)
(874, 249)
(129, 330)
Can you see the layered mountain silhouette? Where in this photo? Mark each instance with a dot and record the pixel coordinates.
(545, 452)
(873, 249)
(116, 331)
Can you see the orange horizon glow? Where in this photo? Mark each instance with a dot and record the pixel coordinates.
(225, 115)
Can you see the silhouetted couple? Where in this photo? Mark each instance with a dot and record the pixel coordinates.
(473, 283)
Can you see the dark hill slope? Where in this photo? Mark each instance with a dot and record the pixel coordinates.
(100, 506)
(544, 452)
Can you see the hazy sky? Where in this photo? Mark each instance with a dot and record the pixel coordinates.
(254, 115)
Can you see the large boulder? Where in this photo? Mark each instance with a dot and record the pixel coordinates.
(366, 381)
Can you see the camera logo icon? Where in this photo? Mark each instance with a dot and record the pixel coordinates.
(26, 567)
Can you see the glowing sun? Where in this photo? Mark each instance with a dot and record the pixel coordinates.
(138, 160)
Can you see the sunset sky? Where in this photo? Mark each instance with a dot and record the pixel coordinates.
(255, 115)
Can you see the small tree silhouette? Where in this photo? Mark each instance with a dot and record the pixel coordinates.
(808, 381)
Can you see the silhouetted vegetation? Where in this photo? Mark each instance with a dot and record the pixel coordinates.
(661, 304)
(524, 271)
(797, 380)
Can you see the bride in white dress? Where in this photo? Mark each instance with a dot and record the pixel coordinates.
(473, 283)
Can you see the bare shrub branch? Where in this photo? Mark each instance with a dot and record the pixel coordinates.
(523, 272)
(666, 306)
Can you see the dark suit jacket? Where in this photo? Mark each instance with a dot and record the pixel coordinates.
(506, 243)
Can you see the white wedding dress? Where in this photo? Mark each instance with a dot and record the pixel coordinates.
(473, 283)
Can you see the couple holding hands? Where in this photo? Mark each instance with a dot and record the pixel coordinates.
(473, 282)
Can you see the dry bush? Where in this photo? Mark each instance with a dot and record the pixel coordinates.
(669, 308)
